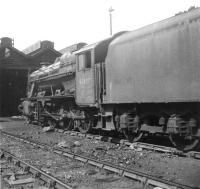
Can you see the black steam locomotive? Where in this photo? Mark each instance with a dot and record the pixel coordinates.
(137, 83)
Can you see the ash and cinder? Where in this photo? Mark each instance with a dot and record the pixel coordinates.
(167, 166)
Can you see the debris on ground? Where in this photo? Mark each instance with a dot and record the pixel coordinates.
(12, 177)
(139, 149)
(101, 148)
(132, 146)
(77, 143)
(63, 144)
(78, 151)
(17, 117)
(48, 129)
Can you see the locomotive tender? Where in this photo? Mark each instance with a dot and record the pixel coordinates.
(137, 83)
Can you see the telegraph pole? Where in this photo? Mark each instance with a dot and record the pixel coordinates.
(110, 13)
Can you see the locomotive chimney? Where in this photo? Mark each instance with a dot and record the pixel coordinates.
(47, 44)
(6, 42)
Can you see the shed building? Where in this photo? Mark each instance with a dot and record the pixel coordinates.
(15, 66)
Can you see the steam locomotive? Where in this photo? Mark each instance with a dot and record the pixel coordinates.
(142, 82)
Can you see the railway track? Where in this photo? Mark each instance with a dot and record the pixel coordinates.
(36, 173)
(146, 179)
(70, 171)
(136, 145)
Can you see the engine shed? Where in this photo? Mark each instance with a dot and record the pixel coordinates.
(15, 67)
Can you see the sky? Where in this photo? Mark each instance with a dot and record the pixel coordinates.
(66, 22)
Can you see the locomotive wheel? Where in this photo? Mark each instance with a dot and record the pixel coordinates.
(51, 123)
(132, 136)
(70, 125)
(66, 124)
(84, 126)
(184, 144)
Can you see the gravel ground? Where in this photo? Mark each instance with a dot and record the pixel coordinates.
(77, 174)
(170, 167)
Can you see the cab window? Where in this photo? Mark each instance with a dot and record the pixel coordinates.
(84, 61)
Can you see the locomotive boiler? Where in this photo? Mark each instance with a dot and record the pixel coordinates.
(143, 82)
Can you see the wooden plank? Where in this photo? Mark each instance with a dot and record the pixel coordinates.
(22, 181)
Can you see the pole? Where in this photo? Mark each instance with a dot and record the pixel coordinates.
(110, 13)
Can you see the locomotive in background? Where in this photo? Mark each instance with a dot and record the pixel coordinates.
(137, 83)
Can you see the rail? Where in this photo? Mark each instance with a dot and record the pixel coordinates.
(34, 170)
(147, 146)
(146, 179)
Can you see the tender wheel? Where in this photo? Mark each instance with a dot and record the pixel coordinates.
(132, 136)
(184, 144)
(84, 126)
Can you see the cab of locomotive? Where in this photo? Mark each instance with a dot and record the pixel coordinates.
(85, 78)
(90, 72)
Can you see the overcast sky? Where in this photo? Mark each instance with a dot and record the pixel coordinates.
(66, 22)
